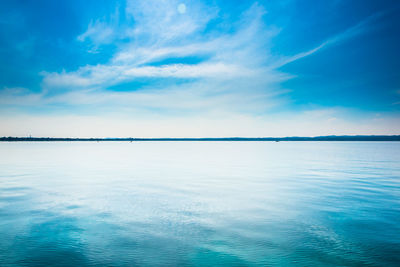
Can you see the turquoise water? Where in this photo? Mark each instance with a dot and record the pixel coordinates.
(200, 204)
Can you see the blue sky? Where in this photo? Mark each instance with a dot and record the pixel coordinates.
(155, 68)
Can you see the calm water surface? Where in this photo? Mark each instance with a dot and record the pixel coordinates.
(200, 203)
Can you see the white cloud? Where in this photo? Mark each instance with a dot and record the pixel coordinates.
(159, 21)
(236, 54)
(355, 30)
(233, 75)
(238, 73)
(19, 96)
(99, 32)
(102, 31)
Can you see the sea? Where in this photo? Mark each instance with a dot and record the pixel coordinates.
(200, 203)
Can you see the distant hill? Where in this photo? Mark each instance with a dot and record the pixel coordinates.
(276, 139)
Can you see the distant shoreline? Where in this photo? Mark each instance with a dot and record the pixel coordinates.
(271, 139)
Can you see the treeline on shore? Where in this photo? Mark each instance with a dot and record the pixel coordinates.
(276, 139)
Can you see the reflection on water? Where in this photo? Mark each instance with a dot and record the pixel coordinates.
(200, 203)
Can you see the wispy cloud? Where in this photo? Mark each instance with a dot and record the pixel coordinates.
(233, 70)
(19, 96)
(102, 31)
(162, 32)
(98, 32)
(360, 28)
(159, 22)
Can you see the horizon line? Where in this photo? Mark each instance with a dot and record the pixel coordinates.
(287, 138)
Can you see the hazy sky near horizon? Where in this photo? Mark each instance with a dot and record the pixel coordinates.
(157, 68)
